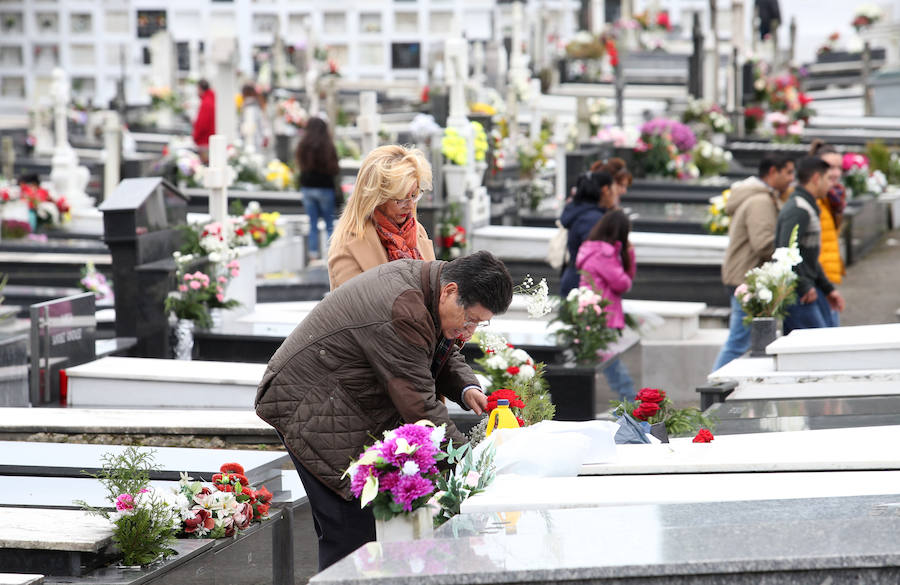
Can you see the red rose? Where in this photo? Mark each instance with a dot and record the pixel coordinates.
(803, 99)
(232, 468)
(704, 436)
(650, 395)
(645, 410)
(512, 370)
(201, 518)
(239, 232)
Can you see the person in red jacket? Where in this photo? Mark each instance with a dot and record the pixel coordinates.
(205, 124)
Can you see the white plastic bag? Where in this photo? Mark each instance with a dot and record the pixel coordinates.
(558, 248)
(552, 448)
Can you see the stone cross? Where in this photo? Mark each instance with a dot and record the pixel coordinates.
(223, 49)
(112, 147)
(69, 179)
(368, 121)
(216, 178)
(456, 70)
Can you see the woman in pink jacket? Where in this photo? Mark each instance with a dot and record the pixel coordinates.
(606, 263)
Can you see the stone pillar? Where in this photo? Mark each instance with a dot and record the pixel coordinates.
(368, 121)
(223, 50)
(695, 67)
(713, 67)
(112, 147)
(598, 16)
(733, 99)
(216, 179)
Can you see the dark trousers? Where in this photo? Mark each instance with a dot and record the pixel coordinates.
(342, 527)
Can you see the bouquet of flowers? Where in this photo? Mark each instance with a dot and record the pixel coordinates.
(710, 159)
(661, 22)
(652, 406)
(452, 234)
(865, 16)
(278, 175)
(292, 112)
(769, 289)
(221, 508)
(584, 329)
(781, 94)
(453, 147)
(216, 240)
(164, 98)
(717, 221)
(398, 473)
(260, 226)
(95, 282)
(706, 118)
(198, 292)
(830, 44)
(753, 117)
(503, 364)
(856, 173)
(782, 128)
(664, 148)
(480, 142)
(45, 207)
(144, 522)
(538, 301)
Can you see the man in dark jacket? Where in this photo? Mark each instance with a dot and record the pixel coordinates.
(801, 210)
(375, 354)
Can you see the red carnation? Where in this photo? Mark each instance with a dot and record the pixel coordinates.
(504, 394)
(650, 395)
(803, 99)
(232, 468)
(262, 510)
(704, 436)
(645, 410)
(512, 370)
(263, 495)
(520, 421)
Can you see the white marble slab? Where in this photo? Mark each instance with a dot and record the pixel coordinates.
(865, 347)
(510, 493)
(159, 383)
(59, 492)
(862, 448)
(132, 421)
(64, 530)
(530, 243)
(757, 378)
(20, 579)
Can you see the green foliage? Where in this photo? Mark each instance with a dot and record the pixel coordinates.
(470, 476)
(145, 532)
(535, 394)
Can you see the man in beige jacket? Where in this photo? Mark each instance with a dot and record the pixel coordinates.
(753, 207)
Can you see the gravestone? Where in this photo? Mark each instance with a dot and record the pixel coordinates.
(63, 332)
(140, 220)
(13, 360)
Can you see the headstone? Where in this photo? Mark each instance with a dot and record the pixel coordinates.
(62, 335)
(140, 222)
(69, 179)
(368, 121)
(14, 359)
(163, 70)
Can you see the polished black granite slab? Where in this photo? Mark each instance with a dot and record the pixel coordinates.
(835, 541)
(760, 416)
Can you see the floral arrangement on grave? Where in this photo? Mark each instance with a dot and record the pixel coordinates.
(143, 521)
(881, 158)
(278, 175)
(499, 142)
(482, 108)
(706, 118)
(652, 406)
(661, 22)
(769, 289)
(180, 163)
(216, 240)
(534, 155)
(780, 94)
(710, 159)
(618, 137)
(221, 508)
(664, 149)
(584, 330)
(717, 221)
(597, 108)
(292, 113)
(537, 194)
(866, 15)
(858, 178)
(163, 97)
(830, 45)
(398, 474)
(198, 292)
(782, 129)
(469, 477)
(94, 281)
(453, 147)
(262, 227)
(753, 118)
(585, 45)
(480, 141)
(43, 207)
(423, 127)
(451, 233)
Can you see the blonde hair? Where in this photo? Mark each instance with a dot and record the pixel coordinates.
(388, 172)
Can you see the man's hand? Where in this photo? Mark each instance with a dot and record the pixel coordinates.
(476, 400)
(836, 301)
(810, 296)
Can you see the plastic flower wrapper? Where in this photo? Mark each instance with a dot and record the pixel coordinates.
(769, 289)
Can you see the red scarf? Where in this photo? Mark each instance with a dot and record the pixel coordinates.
(400, 242)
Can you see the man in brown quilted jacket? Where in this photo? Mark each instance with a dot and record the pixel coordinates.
(375, 354)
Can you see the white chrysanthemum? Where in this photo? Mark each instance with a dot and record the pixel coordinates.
(526, 372)
(496, 362)
(437, 435)
(519, 355)
(765, 295)
(410, 468)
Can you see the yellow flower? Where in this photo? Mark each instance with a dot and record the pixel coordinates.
(480, 143)
(238, 101)
(482, 108)
(453, 146)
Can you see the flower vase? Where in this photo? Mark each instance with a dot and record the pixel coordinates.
(415, 525)
(763, 331)
(184, 339)
(454, 183)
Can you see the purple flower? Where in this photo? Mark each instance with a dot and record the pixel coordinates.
(410, 488)
(681, 135)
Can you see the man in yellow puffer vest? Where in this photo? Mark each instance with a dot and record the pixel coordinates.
(831, 212)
